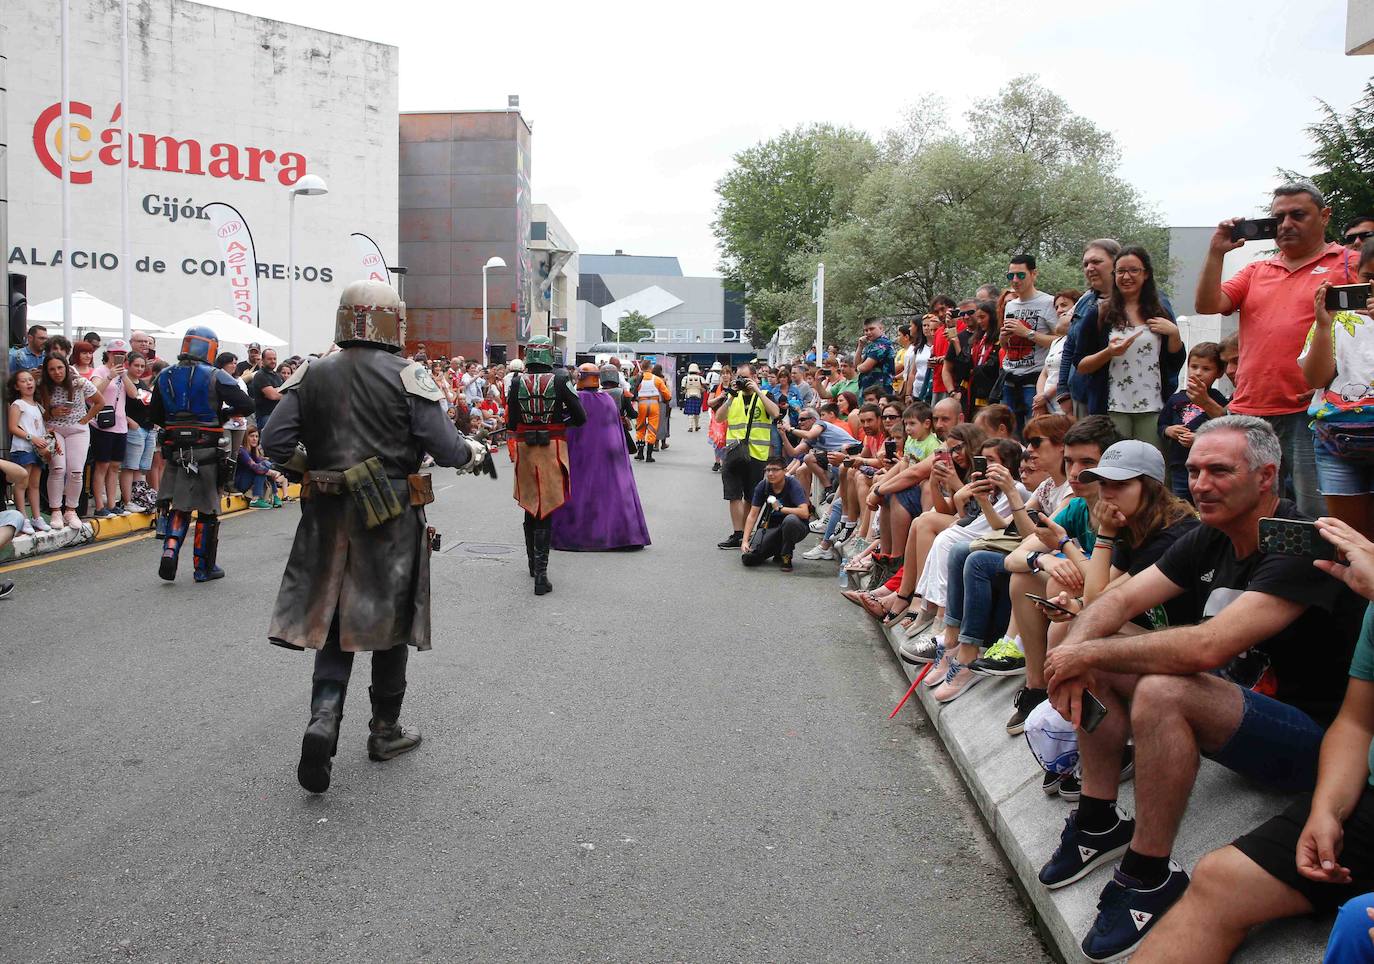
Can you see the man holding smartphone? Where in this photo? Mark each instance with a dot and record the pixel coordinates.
(1243, 684)
(1275, 300)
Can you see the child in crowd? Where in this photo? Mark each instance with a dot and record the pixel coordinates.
(30, 447)
(1198, 402)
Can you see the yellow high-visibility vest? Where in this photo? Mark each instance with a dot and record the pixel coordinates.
(737, 421)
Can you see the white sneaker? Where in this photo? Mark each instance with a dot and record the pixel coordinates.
(41, 524)
(818, 552)
(817, 526)
(26, 529)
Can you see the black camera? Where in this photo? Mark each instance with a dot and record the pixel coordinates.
(741, 383)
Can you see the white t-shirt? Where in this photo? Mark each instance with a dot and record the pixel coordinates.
(1052, 359)
(1023, 356)
(916, 362)
(1351, 392)
(30, 421)
(1133, 379)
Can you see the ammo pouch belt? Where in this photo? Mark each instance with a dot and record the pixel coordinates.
(378, 497)
(175, 438)
(539, 437)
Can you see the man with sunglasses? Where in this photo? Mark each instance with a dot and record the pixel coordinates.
(1357, 231)
(1275, 299)
(1027, 333)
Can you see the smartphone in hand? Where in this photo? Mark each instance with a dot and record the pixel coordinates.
(980, 464)
(1256, 229)
(1294, 537)
(1347, 297)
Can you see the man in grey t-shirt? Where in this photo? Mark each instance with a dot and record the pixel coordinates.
(1027, 333)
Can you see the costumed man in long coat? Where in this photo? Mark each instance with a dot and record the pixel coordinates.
(651, 400)
(191, 400)
(603, 511)
(539, 408)
(357, 579)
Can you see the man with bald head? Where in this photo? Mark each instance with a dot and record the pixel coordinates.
(946, 414)
(143, 343)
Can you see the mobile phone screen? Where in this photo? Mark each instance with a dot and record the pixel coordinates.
(1258, 229)
(1050, 604)
(1347, 297)
(1293, 537)
(980, 464)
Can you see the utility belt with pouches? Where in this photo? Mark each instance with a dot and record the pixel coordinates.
(379, 498)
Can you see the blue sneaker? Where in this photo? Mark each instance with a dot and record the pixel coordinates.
(1125, 913)
(1080, 853)
(101, 514)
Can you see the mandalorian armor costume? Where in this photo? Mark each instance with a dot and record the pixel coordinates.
(540, 406)
(190, 400)
(357, 579)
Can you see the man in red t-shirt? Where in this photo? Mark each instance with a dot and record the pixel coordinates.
(941, 307)
(1275, 300)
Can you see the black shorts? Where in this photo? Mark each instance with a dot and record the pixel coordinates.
(107, 446)
(740, 480)
(1274, 846)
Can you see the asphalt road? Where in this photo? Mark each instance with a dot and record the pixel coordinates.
(669, 758)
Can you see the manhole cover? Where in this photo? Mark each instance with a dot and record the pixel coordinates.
(481, 550)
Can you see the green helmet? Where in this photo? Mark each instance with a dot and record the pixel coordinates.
(539, 351)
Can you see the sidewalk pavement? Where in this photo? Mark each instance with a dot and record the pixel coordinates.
(104, 530)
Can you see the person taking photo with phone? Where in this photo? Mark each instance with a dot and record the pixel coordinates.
(1338, 361)
(1238, 680)
(1275, 297)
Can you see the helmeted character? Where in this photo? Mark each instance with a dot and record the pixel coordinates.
(357, 579)
(540, 406)
(651, 398)
(191, 400)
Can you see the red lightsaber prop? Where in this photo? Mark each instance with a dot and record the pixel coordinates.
(914, 683)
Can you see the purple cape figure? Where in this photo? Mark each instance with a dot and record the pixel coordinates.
(603, 511)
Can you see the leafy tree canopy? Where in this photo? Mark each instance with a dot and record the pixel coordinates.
(1343, 159)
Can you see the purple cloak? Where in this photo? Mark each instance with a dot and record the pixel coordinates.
(602, 511)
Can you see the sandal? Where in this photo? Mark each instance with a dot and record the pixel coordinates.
(892, 618)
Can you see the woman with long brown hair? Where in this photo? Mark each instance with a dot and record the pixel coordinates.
(65, 398)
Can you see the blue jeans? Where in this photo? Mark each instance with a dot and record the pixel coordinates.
(977, 600)
(1299, 460)
(833, 523)
(1018, 393)
(1349, 943)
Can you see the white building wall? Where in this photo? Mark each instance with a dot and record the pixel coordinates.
(219, 77)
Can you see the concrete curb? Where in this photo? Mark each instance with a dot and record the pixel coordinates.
(1004, 781)
(103, 530)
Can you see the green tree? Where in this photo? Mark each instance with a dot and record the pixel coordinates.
(776, 202)
(634, 325)
(944, 209)
(1343, 156)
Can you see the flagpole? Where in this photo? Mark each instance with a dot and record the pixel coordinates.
(66, 174)
(820, 315)
(125, 260)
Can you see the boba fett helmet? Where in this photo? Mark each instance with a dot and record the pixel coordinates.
(539, 351)
(370, 313)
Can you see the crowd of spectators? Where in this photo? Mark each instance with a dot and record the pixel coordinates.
(1054, 487)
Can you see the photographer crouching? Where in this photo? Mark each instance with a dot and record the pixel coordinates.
(777, 519)
(747, 414)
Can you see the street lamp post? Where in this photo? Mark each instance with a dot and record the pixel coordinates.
(311, 185)
(495, 261)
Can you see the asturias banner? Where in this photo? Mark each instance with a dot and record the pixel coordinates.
(370, 258)
(240, 260)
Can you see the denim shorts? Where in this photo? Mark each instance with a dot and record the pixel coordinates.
(1338, 476)
(1275, 744)
(910, 500)
(139, 448)
(24, 458)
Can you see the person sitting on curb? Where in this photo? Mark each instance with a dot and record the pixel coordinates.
(1319, 853)
(1256, 616)
(788, 510)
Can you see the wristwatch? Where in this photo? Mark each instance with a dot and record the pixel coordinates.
(1033, 560)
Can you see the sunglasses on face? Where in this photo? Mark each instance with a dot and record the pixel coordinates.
(1360, 236)
(1034, 441)
(894, 415)
(1017, 276)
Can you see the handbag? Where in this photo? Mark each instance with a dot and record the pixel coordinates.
(998, 388)
(105, 418)
(1003, 542)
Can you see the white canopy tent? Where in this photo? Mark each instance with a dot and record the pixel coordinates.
(229, 330)
(89, 313)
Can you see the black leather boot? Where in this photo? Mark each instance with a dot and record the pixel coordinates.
(529, 542)
(321, 735)
(387, 738)
(541, 562)
(639, 452)
(649, 452)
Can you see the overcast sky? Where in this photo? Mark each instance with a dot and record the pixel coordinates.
(638, 108)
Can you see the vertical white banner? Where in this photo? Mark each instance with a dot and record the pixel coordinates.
(240, 260)
(370, 258)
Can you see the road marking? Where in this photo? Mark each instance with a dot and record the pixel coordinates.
(45, 559)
